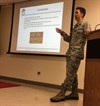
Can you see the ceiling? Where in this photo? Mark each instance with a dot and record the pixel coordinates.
(7, 2)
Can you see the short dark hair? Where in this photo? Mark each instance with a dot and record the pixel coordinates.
(82, 10)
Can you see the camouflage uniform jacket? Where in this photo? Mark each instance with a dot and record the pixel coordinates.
(77, 40)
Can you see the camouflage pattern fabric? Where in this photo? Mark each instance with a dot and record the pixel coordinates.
(77, 40)
(71, 79)
(75, 53)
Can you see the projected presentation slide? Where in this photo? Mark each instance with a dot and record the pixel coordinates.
(36, 30)
(34, 27)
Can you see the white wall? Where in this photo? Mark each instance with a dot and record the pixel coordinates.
(53, 69)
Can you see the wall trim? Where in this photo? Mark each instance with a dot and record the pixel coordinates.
(35, 83)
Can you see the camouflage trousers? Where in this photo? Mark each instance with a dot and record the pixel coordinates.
(72, 66)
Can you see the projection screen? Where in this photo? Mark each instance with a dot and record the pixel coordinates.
(34, 24)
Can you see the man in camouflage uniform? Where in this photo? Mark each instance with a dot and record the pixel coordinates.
(74, 55)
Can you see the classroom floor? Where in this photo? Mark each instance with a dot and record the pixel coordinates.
(31, 95)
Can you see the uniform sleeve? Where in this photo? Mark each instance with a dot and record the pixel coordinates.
(65, 36)
(86, 26)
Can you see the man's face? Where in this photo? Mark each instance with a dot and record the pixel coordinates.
(78, 14)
